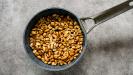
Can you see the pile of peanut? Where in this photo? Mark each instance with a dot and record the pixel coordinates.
(56, 39)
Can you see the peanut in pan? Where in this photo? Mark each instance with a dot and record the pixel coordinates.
(56, 39)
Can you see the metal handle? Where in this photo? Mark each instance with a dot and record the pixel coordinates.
(110, 13)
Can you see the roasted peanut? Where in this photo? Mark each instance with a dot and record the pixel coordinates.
(56, 39)
(39, 57)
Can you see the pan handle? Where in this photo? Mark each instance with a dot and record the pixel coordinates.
(110, 13)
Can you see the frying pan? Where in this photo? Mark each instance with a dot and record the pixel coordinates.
(95, 20)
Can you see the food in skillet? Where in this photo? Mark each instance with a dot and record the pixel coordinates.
(56, 39)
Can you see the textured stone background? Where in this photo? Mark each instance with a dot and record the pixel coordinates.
(111, 43)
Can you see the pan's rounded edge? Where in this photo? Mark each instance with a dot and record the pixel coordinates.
(26, 46)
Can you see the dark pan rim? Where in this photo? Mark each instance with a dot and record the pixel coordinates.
(76, 60)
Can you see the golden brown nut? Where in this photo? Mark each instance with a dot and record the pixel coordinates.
(56, 39)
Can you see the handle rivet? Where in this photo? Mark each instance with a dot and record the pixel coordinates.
(131, 3)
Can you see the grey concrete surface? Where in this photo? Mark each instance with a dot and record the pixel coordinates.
(111, 43)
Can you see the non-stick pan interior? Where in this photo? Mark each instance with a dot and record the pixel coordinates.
(33, 22)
